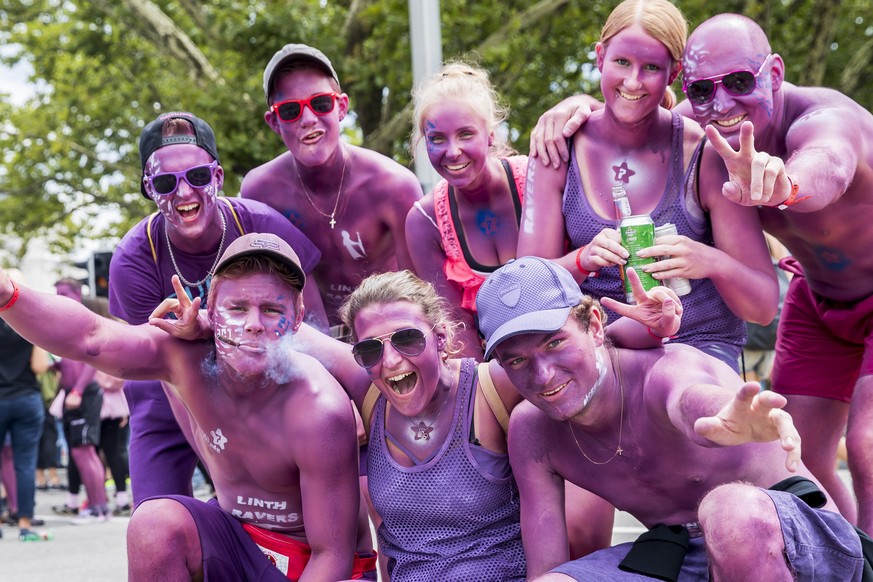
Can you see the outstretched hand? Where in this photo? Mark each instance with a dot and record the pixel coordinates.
(659, 308)
(753, 416)
(756, 178)
(189, 324)
(548, 140)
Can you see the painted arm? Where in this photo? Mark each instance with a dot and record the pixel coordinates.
(328, 463)
(548, 140)
(315, 314)
(738, 264)
(68, 329)
(824, 159)
(428, 259)
(715, 416)
(541, 489)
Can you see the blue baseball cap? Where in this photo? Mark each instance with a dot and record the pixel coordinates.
(526, 295)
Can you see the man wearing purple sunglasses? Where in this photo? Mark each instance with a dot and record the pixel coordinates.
(804, 157)
(182, 174)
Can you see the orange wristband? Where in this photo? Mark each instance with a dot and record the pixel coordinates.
(792, 198)
(585, 272)
(15, 292)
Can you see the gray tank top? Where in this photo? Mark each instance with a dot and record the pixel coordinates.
(448, 518)
(706, 318)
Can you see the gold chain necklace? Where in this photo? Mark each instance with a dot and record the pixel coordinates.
(338, 193)
(618, 449)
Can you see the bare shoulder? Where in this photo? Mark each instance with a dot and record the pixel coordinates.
(314, 395)
(531, 431)
(385, 173)
(263, 179)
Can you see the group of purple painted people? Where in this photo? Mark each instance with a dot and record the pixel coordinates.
(496, 421)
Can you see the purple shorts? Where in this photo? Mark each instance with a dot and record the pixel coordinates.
(819, 545)
(823, 346)
(229, 553)
(161, 460)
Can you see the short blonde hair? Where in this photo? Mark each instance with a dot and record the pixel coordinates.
(460, 81)
(394, 286)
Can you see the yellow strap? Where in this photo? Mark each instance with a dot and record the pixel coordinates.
(493, 398)
(239, 226)
(152, 240)
(368, 406)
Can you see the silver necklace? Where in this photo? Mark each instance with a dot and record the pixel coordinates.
(618, 449)
(421, 430)
(210, 272)
(339, 192)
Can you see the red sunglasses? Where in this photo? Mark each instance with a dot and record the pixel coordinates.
(291, 109)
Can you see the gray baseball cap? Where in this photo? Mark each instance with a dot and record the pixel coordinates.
(266, 243)
(295, 52)
(526, 295)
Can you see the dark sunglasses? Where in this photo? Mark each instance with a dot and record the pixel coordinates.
(409, 342)
(166, 183)
(291, 109)
(736, 83)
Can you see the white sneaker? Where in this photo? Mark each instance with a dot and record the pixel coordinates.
(89, 517)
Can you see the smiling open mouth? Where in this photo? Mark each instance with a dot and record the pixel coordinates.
(403, 383)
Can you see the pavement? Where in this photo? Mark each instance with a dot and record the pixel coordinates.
(98, 552)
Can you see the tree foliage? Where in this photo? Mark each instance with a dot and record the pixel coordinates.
(70, 165)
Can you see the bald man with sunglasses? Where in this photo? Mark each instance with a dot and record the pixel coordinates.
(351, 202)
(804, 157)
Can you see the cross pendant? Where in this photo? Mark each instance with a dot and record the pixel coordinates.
(619, 451)
(332, 222)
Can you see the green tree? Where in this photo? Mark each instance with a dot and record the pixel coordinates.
(70, 165)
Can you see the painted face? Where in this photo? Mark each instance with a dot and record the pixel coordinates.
(636, 69)
(189, 209)
(457, 139)
(555, 371)
(408, 382)
(69, 291)
(713, 55)
(312, 139)
(250, 316)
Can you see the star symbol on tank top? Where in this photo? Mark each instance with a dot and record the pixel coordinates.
(421, 431)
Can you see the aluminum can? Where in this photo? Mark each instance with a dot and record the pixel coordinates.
(680, 285)
(637, 233)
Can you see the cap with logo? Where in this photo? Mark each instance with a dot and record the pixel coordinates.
(151, 140)
(526, 295)
(264, 243)
(295, 52)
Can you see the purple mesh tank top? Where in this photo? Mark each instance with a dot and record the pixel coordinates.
(448, 518)
(706, 318)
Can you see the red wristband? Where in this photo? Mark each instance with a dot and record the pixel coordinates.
(15, 292)
(792, 198)
(663, 340)
(585, 272)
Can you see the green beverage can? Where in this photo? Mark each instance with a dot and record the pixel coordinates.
(637, 233)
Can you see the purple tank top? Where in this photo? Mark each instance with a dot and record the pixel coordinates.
(706, 319)
(448, 518)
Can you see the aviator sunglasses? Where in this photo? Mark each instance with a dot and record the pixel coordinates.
(166, 183)
(291, 109)
(409, 342)
(736, 83)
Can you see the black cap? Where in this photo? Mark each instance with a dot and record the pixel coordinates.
(151, 140)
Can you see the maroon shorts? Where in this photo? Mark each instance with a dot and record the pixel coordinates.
(822, 346)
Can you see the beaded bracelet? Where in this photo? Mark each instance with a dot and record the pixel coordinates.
(15, 292)
(792, 198)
